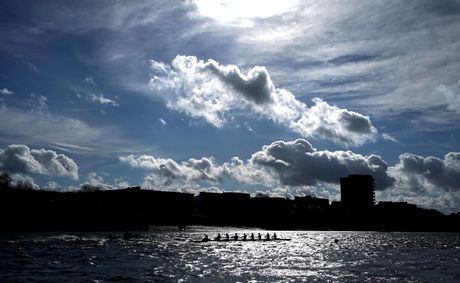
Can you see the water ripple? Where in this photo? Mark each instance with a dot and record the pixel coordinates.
(171, 256)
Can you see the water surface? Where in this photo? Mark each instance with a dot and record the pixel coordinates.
(168, 255)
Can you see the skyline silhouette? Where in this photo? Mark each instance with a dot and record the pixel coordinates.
(132, 208)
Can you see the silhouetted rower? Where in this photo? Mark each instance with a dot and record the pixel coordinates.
(227, 237)
(244, 237)
(217, 238)
(267, 237)
(274, 236)
(205, 239)
(235, 237)
(259, 236)
(252, 237)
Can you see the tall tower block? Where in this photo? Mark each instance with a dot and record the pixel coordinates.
(357, 191)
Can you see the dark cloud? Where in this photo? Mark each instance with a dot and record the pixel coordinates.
(21, 159)
(416, 172)
(297, 163)
(256, 86)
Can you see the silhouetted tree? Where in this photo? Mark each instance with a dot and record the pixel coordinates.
(5, 181)
(88, 188)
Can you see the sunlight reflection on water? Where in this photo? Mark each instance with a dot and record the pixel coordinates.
(172, 256)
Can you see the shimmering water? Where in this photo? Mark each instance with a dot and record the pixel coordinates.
(169, 256)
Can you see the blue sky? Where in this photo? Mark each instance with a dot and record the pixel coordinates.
(256, 96)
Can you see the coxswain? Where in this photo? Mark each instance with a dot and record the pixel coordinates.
(274, 236)
(217, 238)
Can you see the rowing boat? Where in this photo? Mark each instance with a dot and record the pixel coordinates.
(241, 240)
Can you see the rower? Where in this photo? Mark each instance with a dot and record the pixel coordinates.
(227, 237)
(217, 238)
(267, 237)
(244, 237)
(274, 236)
(205, 239)
(235, 237)
(259, 236)
(252, 236)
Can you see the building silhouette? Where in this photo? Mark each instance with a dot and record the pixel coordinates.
(357, 191)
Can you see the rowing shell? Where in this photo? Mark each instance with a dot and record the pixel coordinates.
(241, 240)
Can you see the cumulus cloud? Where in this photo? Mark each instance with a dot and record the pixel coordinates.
(211, 91)
(339, 125)
(17, 158)
(95, 182)
(294, 163)
(419, 173)
(167, 172)
(21, 181)
(5, 91)
(297, 163)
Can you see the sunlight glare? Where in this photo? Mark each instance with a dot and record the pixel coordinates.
(228, 11)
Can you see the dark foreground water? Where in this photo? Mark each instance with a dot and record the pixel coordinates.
(164, 255)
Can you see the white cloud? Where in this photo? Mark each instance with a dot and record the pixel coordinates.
(162, 121)
(99, 98)
(89, 80)
(452, 96)
(38, 102)
(21, 159)
(388, 137)
(58, 131)
(95, 182)
(339, 125)
(23, 182)
(212, 91)
(6, 91)
(169, 173)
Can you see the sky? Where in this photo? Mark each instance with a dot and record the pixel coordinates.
(280, 98)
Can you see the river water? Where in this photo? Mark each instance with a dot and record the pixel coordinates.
(168, 255)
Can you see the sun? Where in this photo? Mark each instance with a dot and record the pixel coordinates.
(233, 11)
